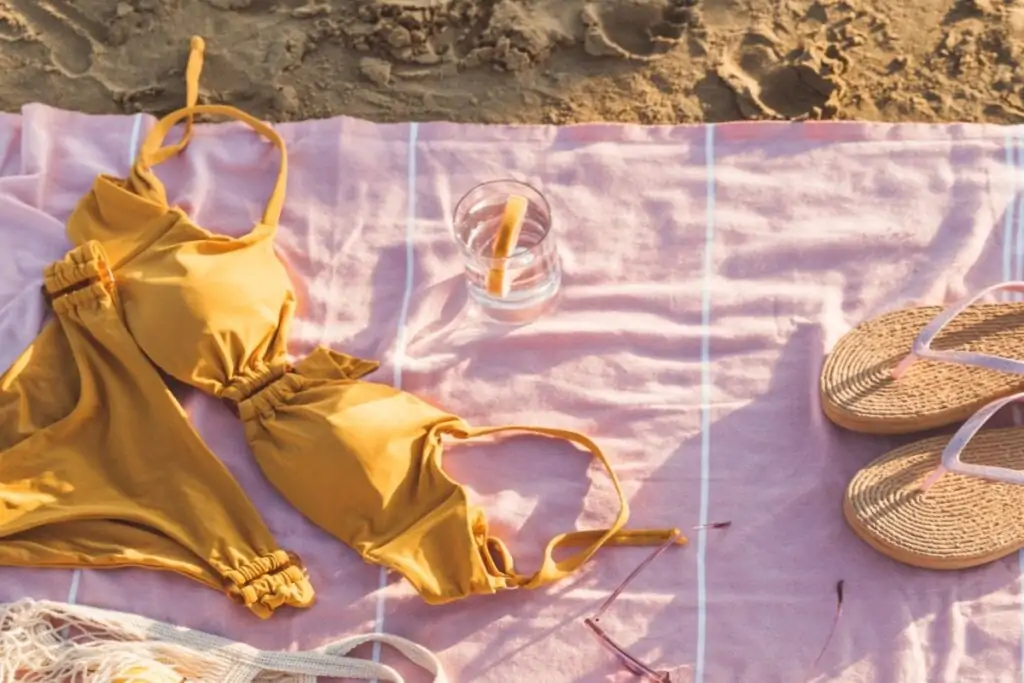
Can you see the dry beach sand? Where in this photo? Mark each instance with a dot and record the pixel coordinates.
(553, 61)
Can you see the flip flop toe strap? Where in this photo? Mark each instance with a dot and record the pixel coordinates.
(922, 347)
(951, 455)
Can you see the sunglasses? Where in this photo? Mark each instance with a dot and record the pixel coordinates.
(648, 673)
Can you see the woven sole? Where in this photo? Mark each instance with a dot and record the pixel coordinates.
(857, 389)
(960, 522)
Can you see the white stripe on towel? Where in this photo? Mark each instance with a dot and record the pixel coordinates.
(401, 338)
(1012, 255)
(705, 400)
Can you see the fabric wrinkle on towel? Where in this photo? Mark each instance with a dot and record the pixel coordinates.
(811, 228)
(43, 174)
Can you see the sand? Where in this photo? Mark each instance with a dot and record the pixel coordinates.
(530, 61)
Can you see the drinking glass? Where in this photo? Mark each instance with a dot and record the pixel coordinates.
(532, 269)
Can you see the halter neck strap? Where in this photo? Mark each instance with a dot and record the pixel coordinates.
(154, 152)
(197, 50)
(588, 542)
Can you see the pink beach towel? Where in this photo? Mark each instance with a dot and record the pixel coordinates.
(708, 269)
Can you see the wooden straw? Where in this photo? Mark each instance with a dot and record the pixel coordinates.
(498, 282)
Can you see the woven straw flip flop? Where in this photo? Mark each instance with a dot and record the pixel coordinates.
(925, 367)
(945, 503)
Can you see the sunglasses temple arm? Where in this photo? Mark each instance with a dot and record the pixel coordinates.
(643, 565)
(634, 665)
(831, 632)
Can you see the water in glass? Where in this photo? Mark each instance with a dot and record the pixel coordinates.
(532, 269)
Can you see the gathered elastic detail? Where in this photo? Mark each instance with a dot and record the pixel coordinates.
(263, 404)
(253, 380)
(92, 297)
(270, 581)
(83, 264)
(321, 365)
(81, 279)
(261, 565)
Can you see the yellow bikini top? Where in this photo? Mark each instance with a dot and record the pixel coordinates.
(209, 310)
(372, 458)
(360, 459)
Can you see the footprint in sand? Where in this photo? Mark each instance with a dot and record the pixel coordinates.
(67, 33)
(12, 25)
(233, 5)
(268, 6)
(802, 84)
(641, 30)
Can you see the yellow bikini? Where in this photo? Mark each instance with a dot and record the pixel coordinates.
(360, 459)
(101, 468)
